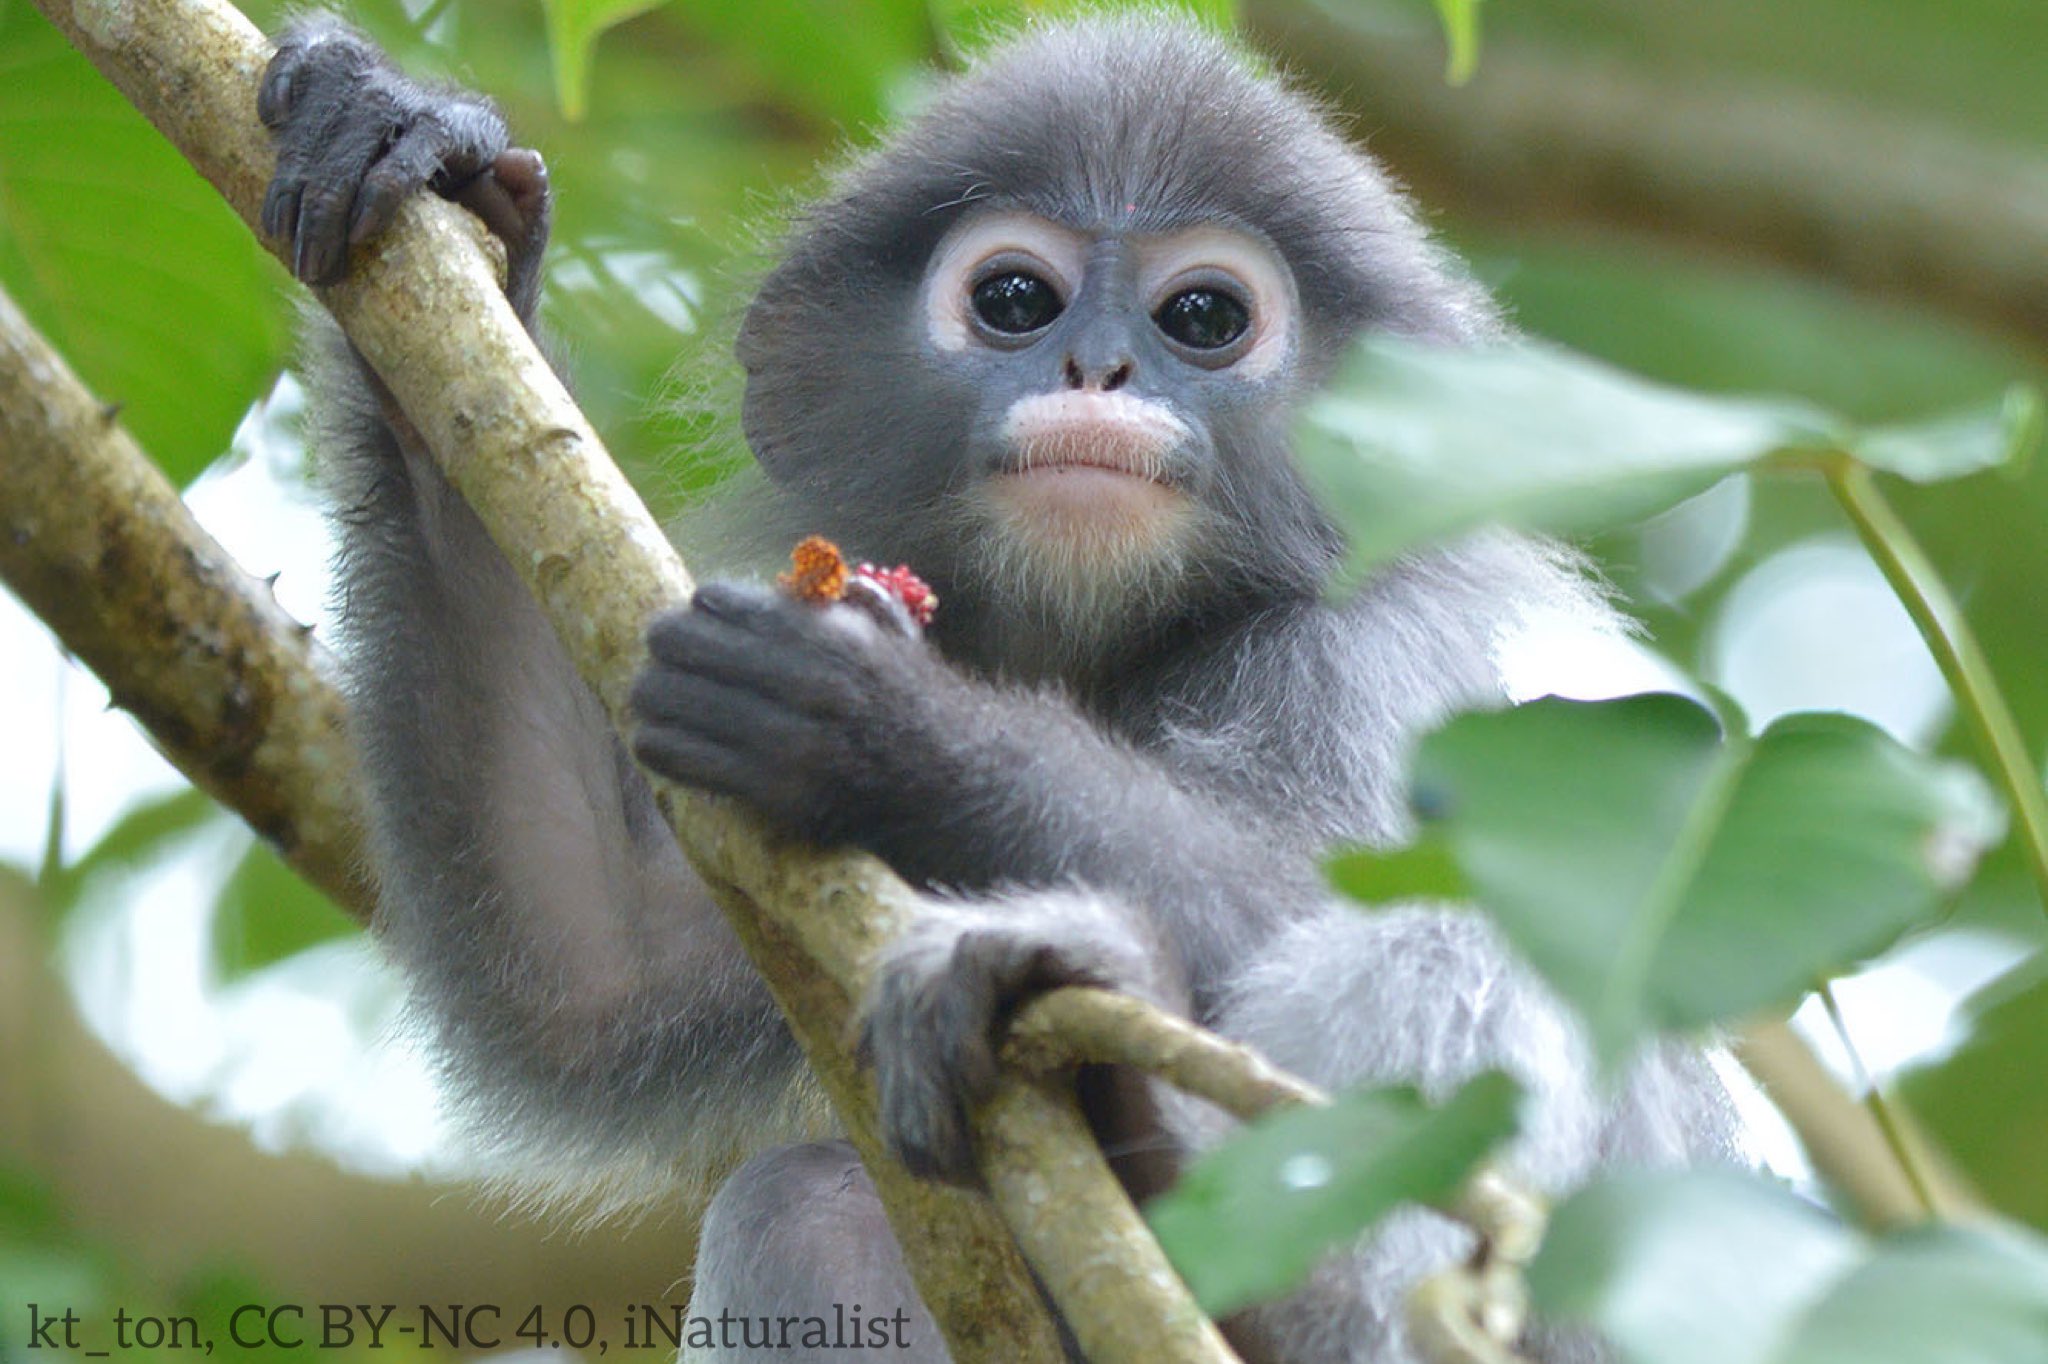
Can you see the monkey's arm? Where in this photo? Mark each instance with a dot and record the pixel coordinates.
(843, 733)
(1274, 741)
(569, 958)
(1089, 861)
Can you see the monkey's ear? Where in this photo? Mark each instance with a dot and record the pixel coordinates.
(764, 424)
(780, 349)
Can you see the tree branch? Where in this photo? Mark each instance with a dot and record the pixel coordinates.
(1085, 1026)
(1892, 206)
(1844, 1140)
(233, 690)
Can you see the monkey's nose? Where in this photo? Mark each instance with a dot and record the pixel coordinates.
(1101, 378)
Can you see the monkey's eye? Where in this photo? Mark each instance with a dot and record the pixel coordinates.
(1015, 303)
(1203, 319)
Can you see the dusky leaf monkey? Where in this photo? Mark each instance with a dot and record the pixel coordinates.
(1045, 343)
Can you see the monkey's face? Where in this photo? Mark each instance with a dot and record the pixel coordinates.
(1047, 342)
(1097, 369)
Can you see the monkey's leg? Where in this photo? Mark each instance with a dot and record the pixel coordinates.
(1418, 996)
(797, 1265)
(1428, 996)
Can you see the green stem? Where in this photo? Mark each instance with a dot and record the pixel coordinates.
(1879, 1106)
(1940, 619)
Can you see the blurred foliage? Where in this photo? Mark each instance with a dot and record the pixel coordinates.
(51, 1266)
(1974, 63)
(677, 132)
(1979, 1101)
(124, 257)
(1461, 36)
(573, 29)
(1250, 1220)
(139, 838)
(266, 913)
(1712, 1268)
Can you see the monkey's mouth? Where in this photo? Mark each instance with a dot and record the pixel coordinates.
(1093, 441)
(1090, 473)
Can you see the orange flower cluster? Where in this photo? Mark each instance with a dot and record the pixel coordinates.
(818, 574)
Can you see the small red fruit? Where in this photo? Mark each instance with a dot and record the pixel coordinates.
(906, 587)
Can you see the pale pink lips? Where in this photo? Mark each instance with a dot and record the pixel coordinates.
(1090, 474)
(1085, 432)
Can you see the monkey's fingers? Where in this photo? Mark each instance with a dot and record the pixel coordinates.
(748, 637)
(926, 1032)
(413, 160)
(940, 1004)
(354, 137)
(513, 198)
(308, 100)
(696, 762)
(326, 192)
(732, 741)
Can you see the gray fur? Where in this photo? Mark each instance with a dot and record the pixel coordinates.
(538, 903)
(806, 1221)
(1128, 787)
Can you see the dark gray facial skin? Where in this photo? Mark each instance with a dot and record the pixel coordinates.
(1045, 344)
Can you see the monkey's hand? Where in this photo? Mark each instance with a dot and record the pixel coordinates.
(828, 724)
(946, 989)
(354, 136)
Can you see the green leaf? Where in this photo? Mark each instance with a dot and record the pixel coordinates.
(1986, 1103)
(1425, 870)
(573, 29)
(2005, 436)
(1941, 1295)
(1717, 1267)
(1414, 444)
(139, 837)
(1709, 1267)
(267, 913)
(1249, 1220)
(1661, 876)
(1461, 33)
(124, 258)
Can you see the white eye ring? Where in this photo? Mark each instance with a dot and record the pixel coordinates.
(1234, 263)
(962, 263)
